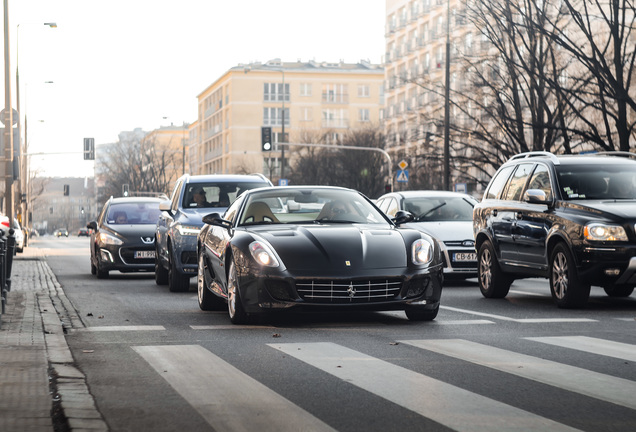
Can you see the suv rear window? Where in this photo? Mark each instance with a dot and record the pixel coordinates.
(605, 182)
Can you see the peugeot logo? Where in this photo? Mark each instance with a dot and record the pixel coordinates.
(148, 240)
(468, 243)
(351, 290)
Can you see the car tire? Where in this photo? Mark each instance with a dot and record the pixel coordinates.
(234, 304)
(176, 281)
(207, 300)
(421, 314)
(493, 283)
(615, 290)
(101, 274)
(161, 273)
(568, 291)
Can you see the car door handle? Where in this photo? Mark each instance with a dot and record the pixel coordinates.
(494, 212)
(519, 216)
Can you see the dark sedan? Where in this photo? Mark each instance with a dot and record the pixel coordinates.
(123, 236)
(315, 247)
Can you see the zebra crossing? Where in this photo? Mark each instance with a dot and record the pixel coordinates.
(230, 400)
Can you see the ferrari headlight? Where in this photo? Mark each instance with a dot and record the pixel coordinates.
(421, 252)
(188, 230)
(108, 239)
(263, 254)
(604, 232)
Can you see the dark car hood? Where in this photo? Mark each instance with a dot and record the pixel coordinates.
(335, 247)
(193, 216)
(133, 231)
(624, 209)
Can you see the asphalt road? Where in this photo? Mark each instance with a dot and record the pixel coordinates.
(154, 361)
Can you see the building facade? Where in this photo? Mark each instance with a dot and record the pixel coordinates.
(303, 99)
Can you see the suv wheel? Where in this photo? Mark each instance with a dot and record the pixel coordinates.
(161, 274)
(493, 283)
(177, 282)
(567, 290)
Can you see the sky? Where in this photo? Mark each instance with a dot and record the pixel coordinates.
(116, 65)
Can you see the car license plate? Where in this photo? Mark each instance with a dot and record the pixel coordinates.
(465, 256)
(145, 254)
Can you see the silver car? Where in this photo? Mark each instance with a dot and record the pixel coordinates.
(447, 216)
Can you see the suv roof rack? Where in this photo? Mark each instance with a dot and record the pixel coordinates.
(615, 153)
(525, 155)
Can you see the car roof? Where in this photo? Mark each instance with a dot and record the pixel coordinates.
(235, 178)
(300, 187)
(602, 158)
(119, 200)
(427, 194)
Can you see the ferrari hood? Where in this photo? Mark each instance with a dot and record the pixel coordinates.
(335, 247)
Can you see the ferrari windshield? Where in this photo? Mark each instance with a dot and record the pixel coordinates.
(308, 205)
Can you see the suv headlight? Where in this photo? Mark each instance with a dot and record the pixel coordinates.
(421, 252)
(188, 230)
(604, 232)
(108, 239)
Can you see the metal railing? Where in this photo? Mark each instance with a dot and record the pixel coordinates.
(7, 251)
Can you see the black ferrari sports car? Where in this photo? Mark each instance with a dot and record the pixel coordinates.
(315, 247)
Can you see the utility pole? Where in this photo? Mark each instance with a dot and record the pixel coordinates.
(8, 122)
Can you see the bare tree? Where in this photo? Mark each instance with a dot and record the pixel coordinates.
(147, 167)
(364, 171)
(600, 37)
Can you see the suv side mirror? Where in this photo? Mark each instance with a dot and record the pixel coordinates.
(402, 217)
(92, 225)
(536, 196)
(217, 220)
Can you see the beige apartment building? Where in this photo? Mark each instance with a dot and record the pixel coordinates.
(172, 141)
(313, 99)
(416, 43)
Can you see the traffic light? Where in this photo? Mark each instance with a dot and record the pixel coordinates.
(125, 189)
(89, 148)
(67, 190)
(387, 188)
(266, 138)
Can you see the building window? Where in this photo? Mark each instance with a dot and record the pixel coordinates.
(334, 118)
(335, 93)
(306, 114)
(272, 116)
(273, 92)
(363, 91)
(363, 115)
(305, 89)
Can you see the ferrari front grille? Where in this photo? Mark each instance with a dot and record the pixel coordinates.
(348, 291)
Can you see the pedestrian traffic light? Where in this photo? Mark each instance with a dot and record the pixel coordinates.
(66, 190)
(266, 138)
(387, 188)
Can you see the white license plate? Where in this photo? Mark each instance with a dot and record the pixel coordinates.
(465, 256)
(145, 254)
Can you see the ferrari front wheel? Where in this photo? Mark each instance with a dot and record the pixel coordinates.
(234, 305)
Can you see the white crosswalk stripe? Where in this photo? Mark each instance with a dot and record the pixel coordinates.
(227, 398)
(591, 345)
(230, 400)
(444, 403)
(604, 387)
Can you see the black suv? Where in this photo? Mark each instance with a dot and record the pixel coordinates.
(568, 218)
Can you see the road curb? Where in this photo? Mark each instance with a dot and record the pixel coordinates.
(72, 392)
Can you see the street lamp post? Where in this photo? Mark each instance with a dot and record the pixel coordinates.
(24, 176)
(447, 103)
(282, 150)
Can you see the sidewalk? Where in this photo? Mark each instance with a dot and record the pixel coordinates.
(41, 389)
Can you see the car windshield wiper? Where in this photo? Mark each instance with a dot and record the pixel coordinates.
(338, 221)
(423, 215)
